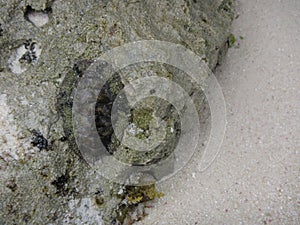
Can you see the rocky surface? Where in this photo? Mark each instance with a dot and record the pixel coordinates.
(43, 179)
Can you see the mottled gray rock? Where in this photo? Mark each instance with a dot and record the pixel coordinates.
(43, 180)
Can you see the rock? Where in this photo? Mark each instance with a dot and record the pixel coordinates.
(45, 46)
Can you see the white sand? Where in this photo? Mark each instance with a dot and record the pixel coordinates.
(255, 179)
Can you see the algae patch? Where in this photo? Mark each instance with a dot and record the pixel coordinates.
(231, 40)
(135, 199)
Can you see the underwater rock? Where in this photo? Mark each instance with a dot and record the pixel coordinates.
(41, 62)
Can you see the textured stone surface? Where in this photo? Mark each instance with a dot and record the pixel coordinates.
(41, 42)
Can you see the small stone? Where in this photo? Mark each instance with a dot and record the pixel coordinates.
(37, 18)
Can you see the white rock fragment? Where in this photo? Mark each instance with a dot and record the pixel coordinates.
(38, 18)
(24, 52)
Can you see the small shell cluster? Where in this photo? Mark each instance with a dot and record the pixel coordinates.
(26, 54)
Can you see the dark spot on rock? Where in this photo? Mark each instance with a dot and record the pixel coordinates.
(39, 140)
(27, 43)
(99, 197)
(99, 200)
(1, 30)
(61, 183)
(30, 56)
(77, 70)
(27, 11)
(27, 58)
(11, 184)
(99, 191)
(63, 139)
(152, 91)
(26, 218)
